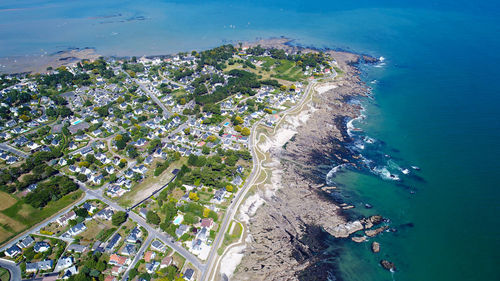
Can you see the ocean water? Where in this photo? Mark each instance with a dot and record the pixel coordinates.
(435, 105)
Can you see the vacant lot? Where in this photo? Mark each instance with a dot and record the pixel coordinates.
(149, 184)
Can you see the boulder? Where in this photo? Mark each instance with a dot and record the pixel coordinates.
(359, 239)
(345, 229)
(388, 265)
(375, 247)
(371, 233)
(376, 219)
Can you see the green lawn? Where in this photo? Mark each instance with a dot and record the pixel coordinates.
(232, 237)
(4, 274)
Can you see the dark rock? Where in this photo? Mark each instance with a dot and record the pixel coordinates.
(388, 265)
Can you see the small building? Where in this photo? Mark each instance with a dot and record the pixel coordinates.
(63, 263)
(113, 241)
(12, 251)
(181, 230)
(188, 274)
(166, 262)
(134, 235)
(152, 266)
(41, 247)
(115, 259)
(158, 246)
(105, 214)
(77, 229)
(25, 242)
(149, 255)
(129, 250)
(63, 220)
(45, 265)
(77, 248)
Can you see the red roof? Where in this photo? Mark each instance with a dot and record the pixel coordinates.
(206, 222)
(117, 259)
(147, 256)
(166, 261)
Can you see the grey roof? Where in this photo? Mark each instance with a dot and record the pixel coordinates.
(77, 248)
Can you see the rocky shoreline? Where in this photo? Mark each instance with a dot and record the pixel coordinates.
(289, 233)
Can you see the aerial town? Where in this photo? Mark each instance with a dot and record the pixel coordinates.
(124, 168)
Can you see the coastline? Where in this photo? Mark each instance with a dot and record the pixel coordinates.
(292, 213)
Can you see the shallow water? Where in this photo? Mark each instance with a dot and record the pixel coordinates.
(436, 104)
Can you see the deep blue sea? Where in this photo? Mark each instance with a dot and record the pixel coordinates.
(435, 105)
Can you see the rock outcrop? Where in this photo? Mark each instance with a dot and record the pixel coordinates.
(291, 230)
(388, 265)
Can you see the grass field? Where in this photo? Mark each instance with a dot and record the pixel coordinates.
(7, 200)
(178, 260)
(231, 236)
(4, 274)
(20, 216)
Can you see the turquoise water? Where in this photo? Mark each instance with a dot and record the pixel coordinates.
(178, 220)
(435, 105)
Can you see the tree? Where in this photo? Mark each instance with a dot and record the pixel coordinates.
(119, 218)
(193, 196)
(206, 212)
(81, 177)
(237, 120)
(190, 218)
(152, 217)
(132, 273)
(205, 150)
(82, 212)
(237, 128)
(245, 131)
(187, 131)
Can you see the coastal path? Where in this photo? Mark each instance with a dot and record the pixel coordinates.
(213, 259)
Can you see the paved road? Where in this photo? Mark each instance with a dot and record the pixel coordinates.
(152, 231)
(12, 150)
(166, 112)
(15, 271)
(213, 258)
(138, 255)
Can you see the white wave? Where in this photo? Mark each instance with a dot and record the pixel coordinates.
(384, 173)
(333, 171)
(381, 59)
(382, 64)
(374, 82)
(369, 140)
(405, 171)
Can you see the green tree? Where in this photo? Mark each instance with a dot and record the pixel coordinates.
(152, 217)
(245, 132)
(119, 218)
